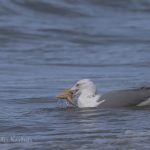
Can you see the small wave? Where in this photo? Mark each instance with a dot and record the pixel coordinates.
(85, 8)
(33, 100)
(48, 8)
(121, 5)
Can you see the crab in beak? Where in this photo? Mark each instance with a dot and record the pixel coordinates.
(67, 95)
(70, 93)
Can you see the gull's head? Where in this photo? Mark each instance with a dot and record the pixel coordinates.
(86, 90)
(84, 86)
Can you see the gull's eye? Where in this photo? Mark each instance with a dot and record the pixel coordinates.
(77, 85)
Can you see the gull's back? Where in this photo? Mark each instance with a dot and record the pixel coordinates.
(125, 98)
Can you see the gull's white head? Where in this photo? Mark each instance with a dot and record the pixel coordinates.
(84, 86)
(86, 90)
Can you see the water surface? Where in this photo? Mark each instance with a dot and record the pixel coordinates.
(46, 46)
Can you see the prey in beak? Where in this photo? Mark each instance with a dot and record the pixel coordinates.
(68, 96)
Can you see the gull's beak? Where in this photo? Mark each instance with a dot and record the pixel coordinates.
(67, 95)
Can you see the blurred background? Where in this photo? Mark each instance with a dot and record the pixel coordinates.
(47, 45)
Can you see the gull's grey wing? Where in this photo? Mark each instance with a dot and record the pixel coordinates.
(125, 98)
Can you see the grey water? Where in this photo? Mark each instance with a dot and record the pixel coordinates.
(48, 45)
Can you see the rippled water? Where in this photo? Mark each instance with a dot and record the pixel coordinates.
(46, 46)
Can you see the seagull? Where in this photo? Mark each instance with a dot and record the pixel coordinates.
(87, 94)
